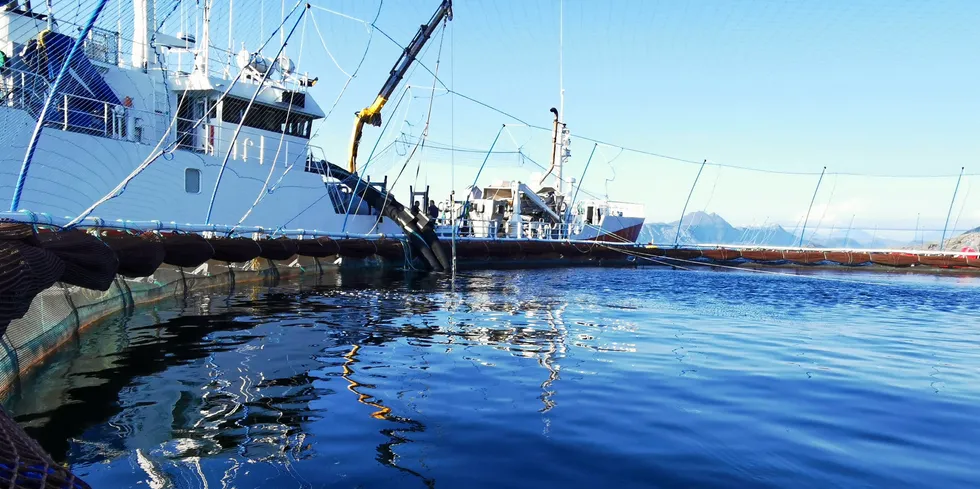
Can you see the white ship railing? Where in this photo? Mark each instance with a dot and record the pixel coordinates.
(102, 46)
(625, 209)
(611, 208)
(215, 138)
(26, 91)
(16, 85)
(43, 219)
(217, 229)
(492, 229)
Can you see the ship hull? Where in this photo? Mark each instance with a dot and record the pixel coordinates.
(70, 171)
(613, 229)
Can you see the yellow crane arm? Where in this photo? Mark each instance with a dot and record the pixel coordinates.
(372, 114)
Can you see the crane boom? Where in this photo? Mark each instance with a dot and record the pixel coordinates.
(372, 114)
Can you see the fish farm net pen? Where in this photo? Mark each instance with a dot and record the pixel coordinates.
(24, 464)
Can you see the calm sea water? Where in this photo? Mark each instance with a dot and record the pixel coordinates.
(552, 378)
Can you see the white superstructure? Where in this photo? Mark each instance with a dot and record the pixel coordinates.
(113, 111)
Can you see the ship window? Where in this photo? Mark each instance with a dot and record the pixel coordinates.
(192, 181)
(272, 119)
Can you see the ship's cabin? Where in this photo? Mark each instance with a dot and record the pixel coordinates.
(107, 96)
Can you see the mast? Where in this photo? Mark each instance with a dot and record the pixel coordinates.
(204, 59)
(560, 153)
(51, 24)
(231, 40)
(561, 60)
(143, 29)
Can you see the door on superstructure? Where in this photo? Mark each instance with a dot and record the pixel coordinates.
(185, 122)
(195, 111)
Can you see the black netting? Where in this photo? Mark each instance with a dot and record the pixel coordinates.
(357, 248)
(23, 464)
(234, 250)
(317, 248)
(88, 261)
(139, 255)
(277, 249)
(186, 250)
(10, 230)
(389, 249)
(25, 270)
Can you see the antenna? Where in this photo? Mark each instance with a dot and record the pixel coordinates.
(558, 158)
(561, 60)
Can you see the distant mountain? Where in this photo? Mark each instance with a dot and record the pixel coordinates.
(772, 235)
(855, 238)
(703, 228)
(968, 240)
(708, 228)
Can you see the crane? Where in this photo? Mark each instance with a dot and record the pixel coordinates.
(372, 114)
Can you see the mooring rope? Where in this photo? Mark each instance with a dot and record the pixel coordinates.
(753, 270)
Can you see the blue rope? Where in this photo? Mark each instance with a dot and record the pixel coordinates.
(32, 146)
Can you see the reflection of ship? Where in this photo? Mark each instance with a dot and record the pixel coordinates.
(250, 406)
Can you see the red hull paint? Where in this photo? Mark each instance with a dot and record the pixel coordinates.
(848, 257)
(762, 255)
(894, 259)
(803, 257)
(682, 254)
(721, 254)
(629, 234)
(944, 261)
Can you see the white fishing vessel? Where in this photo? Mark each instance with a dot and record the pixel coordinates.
(149, 137)
(221, 142)
(543, 207)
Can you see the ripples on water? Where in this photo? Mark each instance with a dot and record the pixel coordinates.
(559, 378)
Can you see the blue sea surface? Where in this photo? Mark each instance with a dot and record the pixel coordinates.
(595, 377)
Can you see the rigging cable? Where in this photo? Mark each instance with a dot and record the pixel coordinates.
(425, 130)
(160, 148)
(405, 91)
(651, 153)
(248, 108)
(265, 190)
(343, 90)
(753, 270)
(822, 215)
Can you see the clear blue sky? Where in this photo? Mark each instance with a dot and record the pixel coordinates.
(862, 86)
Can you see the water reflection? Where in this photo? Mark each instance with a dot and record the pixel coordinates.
(135, 383)
(551, 378)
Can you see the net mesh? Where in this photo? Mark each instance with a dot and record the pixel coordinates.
(23, 464)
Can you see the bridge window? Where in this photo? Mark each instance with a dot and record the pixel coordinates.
(272, 119)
